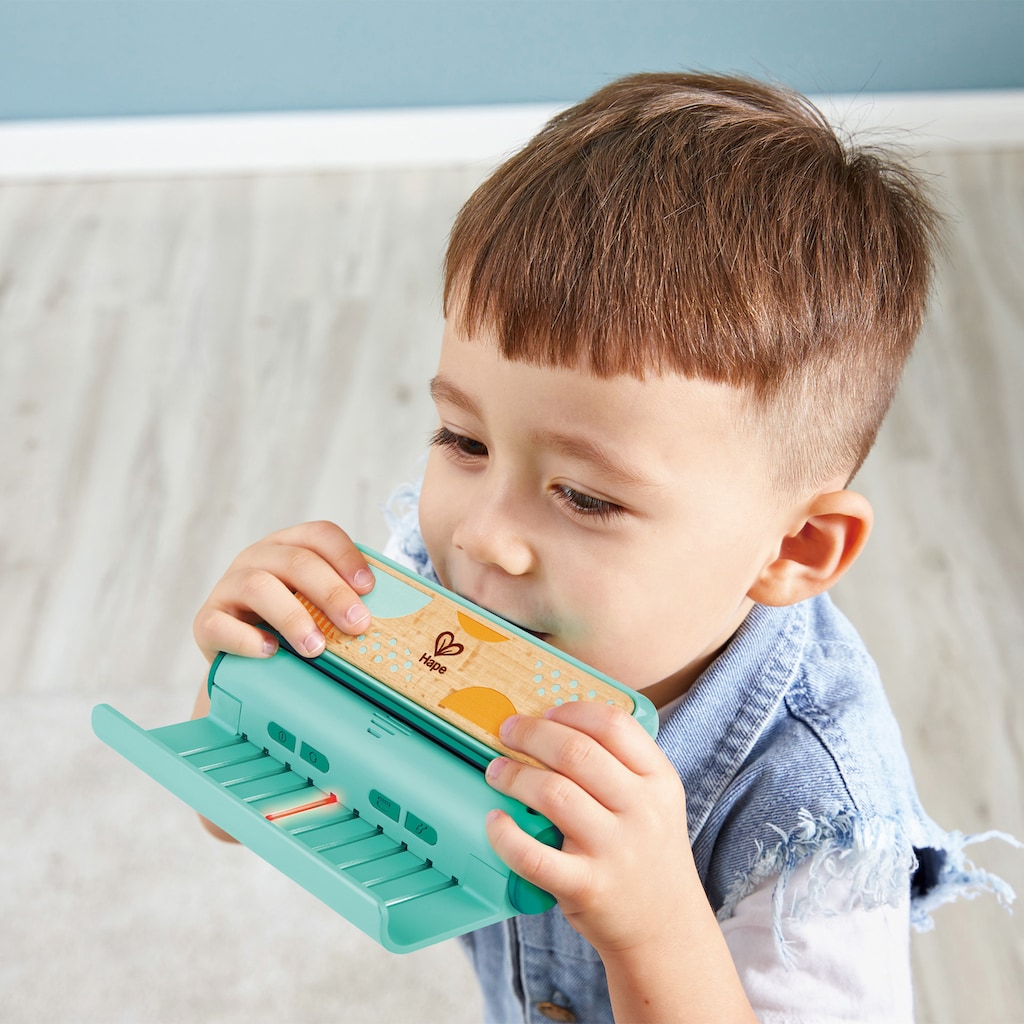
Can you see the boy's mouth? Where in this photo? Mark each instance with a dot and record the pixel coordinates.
(536, 633)
(526, 629)
(539, 634)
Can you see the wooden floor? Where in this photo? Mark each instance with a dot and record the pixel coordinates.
(186, 365)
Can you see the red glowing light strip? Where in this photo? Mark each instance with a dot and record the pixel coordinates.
(329, 799)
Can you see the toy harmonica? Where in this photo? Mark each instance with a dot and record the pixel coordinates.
(360, 773)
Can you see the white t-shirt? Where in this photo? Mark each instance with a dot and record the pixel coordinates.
(855, 963)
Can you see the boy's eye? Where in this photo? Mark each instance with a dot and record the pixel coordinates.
(457, 444)
(583, 504)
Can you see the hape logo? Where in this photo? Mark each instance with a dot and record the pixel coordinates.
(445, 646)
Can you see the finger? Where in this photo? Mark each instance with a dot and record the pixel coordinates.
(306, 570)
(568, 806)
(573, 754)
(257, 595)
(616, 731)
(556, 872)
(215, 631)
(334, 546)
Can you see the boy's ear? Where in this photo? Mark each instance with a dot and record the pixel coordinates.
(829, 535)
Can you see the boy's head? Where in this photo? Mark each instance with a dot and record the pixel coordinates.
(714, 227)
(674, 322)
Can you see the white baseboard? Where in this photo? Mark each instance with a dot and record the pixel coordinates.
(267, 143)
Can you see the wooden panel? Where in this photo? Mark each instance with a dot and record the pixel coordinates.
(467, 670)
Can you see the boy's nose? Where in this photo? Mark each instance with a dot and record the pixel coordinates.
(492, 531)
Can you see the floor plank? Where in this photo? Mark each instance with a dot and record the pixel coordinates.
(188, 364)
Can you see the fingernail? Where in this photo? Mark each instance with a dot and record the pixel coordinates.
(314, 643)
(506, 727)
(357, 613)
(496, 767)
(269, 646)
(363, 578)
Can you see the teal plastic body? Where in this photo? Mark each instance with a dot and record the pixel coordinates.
(369, 802)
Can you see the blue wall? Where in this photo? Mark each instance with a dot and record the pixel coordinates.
(81, 58)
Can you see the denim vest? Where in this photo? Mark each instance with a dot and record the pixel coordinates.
(789, 754)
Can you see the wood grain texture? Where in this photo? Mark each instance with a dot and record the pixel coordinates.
(469, 671)
(186, 365)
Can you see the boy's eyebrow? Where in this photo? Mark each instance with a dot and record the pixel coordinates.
(573, 446)
(443, 390)
(585, 449)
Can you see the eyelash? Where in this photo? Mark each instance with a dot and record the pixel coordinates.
(577, 503)
(586, 506)
(457, 445)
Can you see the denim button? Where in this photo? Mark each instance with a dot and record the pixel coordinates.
(555, 1012)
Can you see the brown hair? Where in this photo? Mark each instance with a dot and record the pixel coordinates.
(715, 227)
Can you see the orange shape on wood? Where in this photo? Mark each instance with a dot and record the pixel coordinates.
(481, 705)
(479, 631)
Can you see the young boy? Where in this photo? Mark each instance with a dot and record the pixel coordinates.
(674, 323)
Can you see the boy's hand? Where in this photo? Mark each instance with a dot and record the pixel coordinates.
(319, 560)
(624, 877)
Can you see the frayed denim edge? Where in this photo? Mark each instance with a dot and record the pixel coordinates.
(961, 879)
(875, 862)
